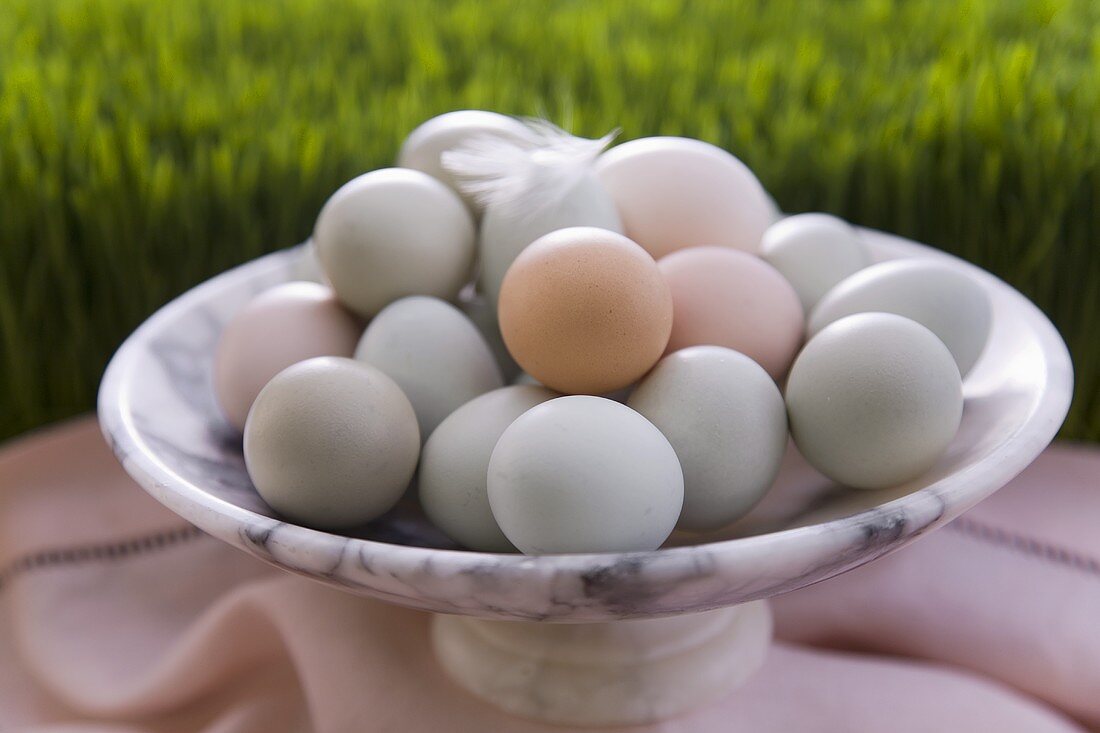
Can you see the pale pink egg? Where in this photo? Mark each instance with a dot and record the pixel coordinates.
(725, 297)
(281, 326)
(673, 193)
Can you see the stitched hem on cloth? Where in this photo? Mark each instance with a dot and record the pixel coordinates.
(1025, 545)
(105, 552)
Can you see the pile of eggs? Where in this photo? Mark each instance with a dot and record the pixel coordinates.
(674, 332)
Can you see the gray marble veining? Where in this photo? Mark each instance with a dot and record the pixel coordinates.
(157, 410)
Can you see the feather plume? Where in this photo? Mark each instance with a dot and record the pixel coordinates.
(525, 173)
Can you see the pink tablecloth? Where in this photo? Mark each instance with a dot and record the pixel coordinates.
(117, 616)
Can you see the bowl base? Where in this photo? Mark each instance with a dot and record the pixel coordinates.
(613, 673)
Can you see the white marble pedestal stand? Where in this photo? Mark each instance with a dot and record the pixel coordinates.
(612, 673)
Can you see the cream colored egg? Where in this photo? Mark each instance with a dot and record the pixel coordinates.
(814, 252)
(934, 294)
(434, 353)
(455, 462)
(673, 192)
(726, 420)
(424, 147)
(505, 231)
(874, 400)
(392, 233)
(331, 443)
(584, 474)
(282, 326)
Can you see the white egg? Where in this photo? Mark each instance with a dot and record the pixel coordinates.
(934, 294)
(455, 462)
(584, 474)
(331, 443)
(392, 233)
(307, 266)
(619, 395)
(814, 252)
(874, 400)
(726, 420)
(434, 353)
(506, 231)
(424, 147)
(525, 378)
(281, 326)
(672, 193)
(484, 315)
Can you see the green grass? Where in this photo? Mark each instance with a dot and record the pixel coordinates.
(145, 146)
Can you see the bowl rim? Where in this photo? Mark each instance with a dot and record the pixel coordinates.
(231, 522)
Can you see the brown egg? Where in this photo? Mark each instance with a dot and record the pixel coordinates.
(585, 310)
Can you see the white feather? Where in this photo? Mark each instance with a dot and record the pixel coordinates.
(523, 174)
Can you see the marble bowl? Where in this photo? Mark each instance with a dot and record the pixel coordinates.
(157, 410)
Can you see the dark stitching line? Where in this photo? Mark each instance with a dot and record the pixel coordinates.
(1026, 545)
(97, 553)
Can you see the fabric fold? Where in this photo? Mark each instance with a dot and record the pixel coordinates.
(191, 635)
(1010, 590)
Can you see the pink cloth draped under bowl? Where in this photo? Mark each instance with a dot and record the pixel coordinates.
(117, 616)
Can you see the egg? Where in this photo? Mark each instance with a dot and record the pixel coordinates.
(424, 147)
(392, 233)
(814, 252)
(727, 422)
(525, 378)
(483, 314)
(673, 192)
(585, 310)
(331, 443)
(725, 297)
(619, 395)
(455, 463)
(506, 230)
(307, 266)
(873, 400)
(283, 325)
(434, 354)
(935, 294)
(584, 474)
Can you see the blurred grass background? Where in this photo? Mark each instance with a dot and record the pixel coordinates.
(145, 146)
